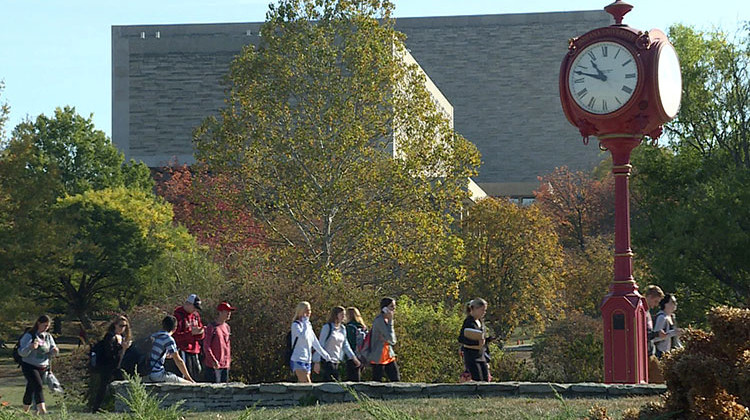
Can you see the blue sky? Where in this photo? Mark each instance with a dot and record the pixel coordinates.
(55, 53)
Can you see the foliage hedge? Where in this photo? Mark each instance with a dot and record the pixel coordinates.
(571, 350)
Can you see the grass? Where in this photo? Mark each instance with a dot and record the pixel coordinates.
(12, 386)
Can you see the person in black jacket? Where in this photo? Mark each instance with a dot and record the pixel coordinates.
(116, 342)
(474, 340)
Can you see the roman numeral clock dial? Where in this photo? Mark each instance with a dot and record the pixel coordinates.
(603, 77)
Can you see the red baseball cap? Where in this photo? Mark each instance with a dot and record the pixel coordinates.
(224, 306)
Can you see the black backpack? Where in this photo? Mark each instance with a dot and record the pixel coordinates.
(96, 355)
(289, 347)
(17, 356)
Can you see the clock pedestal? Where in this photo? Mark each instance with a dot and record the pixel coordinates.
(623, 309)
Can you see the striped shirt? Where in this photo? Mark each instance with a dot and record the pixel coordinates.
(164, 345)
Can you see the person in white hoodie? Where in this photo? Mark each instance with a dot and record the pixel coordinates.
(333, 339)
(303, 341)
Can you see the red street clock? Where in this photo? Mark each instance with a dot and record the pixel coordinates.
(620, 85)
(619, 80)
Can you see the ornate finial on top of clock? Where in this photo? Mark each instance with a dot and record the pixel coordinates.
(618, 9)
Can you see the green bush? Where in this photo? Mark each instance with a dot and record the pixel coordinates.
(570, 350)
(505, 366)
(428, 345)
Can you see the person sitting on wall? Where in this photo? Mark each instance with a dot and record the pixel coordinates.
(164, 347)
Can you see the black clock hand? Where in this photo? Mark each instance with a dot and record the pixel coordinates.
(601, 77)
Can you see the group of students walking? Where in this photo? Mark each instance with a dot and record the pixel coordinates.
(344, 333)
(186, 350)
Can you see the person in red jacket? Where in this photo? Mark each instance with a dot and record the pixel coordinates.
(216, 347)
(189, 333)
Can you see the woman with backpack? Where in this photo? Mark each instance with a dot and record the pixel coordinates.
(474, 340)
(383, 337)
(108, 356)
(35, 347)
(355, 334)
(333, 339)
(665, 326)
(303, 340)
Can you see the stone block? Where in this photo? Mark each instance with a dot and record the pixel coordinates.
(588, 389)
(497, 388)
(331, 388)
(279, 388)
(533, 388)
(621, 390)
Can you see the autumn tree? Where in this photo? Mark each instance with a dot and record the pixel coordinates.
(692, 198)
(513, 260)
(579, 205)
(210, 206)
(339, 150)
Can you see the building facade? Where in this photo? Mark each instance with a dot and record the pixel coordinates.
(500, 73)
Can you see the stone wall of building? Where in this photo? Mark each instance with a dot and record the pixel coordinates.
(500, 73)
(236, 396)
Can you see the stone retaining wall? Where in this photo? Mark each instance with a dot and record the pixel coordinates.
(237, 396)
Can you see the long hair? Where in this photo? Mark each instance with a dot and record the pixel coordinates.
(43, 319)
(334, 316)
(475, 303)
(352, 314)
(118, 319)
(301, 308)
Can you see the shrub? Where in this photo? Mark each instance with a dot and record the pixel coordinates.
(505, 366)
(708, 378)
(144, 406)
(570, 350)
(428, 345)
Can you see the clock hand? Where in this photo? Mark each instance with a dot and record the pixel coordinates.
(601, 77)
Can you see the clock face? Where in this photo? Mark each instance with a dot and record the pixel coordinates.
(603, 77)
(669, 80)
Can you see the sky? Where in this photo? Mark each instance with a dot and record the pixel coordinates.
(55, 53)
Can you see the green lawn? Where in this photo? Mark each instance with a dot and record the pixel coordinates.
(12, 386)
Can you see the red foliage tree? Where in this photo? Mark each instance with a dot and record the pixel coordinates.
(210, 206)
(580, 206)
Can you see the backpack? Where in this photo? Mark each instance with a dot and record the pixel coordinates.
(289, 347)
(17, 356)
(364, 347)
(96, 355)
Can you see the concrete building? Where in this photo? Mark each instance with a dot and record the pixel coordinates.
(500, 73)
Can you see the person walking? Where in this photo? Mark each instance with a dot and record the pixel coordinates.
(303, 341)
(164, 347)
(116, 342)
(355, 331)
(474, 340)
(189, 334)
(654, 295)
(333, 339)
(35, 348)
(217, 355)
(666, 326)
(382, 340)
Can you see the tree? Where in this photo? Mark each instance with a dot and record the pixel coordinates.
(53, 159)
(579, 205)
(339, 150)
(692, 198)
(211, 207)
(513, 260)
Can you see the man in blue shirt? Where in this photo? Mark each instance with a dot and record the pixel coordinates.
(164, 347)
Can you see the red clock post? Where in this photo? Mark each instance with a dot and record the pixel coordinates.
(621, 85)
